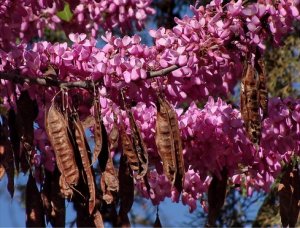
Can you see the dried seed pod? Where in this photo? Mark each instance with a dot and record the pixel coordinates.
(88, 122)
(250, 104)
(126, 190)
(6, 156)
(81, 143)
(139, 146)
(262, 88)
(168, 143)
(98, 220)
(14, 136)
(27, 113)
(114, 135)
(289, 196)
(216, 197)
(65, 188)
(57, 130)
(109, 182)
(53, 202)
(34, 205)
(97, 131)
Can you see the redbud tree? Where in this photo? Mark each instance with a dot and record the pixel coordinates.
(195, 65)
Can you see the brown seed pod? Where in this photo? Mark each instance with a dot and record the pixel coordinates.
(14, 136)
(250, 104)
(139, 146)
(65, 188)
(97, 131)
(27, 111)
(126, 190)
(2, 171)
(114, 135)
(109, 181)
(289, 196)
(98, 220)
(57, 130)
(216, 197)
(262, 88)
(128, 150)
(81, 143)
(168, 142)
(34, 205)
(7, 156)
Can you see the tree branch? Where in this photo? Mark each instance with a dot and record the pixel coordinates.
(85, 84)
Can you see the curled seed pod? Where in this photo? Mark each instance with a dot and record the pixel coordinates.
(34, 205)
(57, 131)
(128, 151)
(262, 88)
(126, 190)
(168, 142)
(97, 131)
(81, 143)
(139, 146)
(216, 197)
(250, 104)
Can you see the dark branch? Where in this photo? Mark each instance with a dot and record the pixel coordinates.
(162, 72)
(86, 84)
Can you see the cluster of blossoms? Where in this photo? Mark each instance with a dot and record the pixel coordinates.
(28, 19)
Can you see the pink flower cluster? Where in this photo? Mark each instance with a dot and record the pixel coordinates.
(214, 136)
(107, 14)
(28, 19)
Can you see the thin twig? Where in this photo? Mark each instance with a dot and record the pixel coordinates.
(85, 84)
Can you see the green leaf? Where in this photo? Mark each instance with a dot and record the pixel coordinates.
(66, 14)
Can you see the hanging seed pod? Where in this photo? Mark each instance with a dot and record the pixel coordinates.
(139, 146)
(289, 196)
(168, 143)
(250, 105)
(126, 191)
(2, 171)
(6, 156)
(27, 113)
(128, 151)
(98, 220)
(114, 135)
(57, 130)
(97, 131)
(14, 136)
(81, 143)
(216, 197)
(109, 181)
(262, 88)
(34, 205)
(53, 202)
